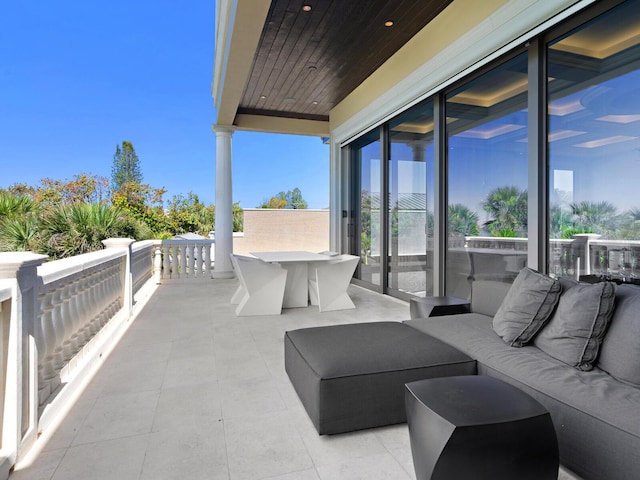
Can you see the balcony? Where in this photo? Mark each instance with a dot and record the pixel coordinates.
(166, 382)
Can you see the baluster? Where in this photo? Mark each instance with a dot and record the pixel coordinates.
(157, 263)
(166, 261)
(183, 260)
(85, 308)
(58, 327)
(176, 271)
(74, 309)
(87, 304)
(100, 298)
(45, 340)
(207, 259)
(68, 349)
(191, 259)
(93, 303)
(106, 290)
(118, 286)
(199, 261)
(48, 336)
(112, 290)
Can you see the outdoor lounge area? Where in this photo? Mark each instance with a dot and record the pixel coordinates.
(472, 145)
(192, 391)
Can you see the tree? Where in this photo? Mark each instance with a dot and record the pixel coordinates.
(126, 167)
(18, 222)
(83, 188)
(80, 228)
(189, 214)
(237, 217)
(595, 217)
(462, 221)
(290, 199)
(507, 208)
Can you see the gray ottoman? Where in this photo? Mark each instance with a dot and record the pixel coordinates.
(479, 427)
(350, 377)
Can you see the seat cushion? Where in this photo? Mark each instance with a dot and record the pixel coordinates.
(352, 376)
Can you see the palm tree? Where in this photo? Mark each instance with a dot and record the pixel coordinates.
(14, 205)
(18, 223)
(80, 228)
(597, 217)
(507, 208)
(462, 221)
(19, 234)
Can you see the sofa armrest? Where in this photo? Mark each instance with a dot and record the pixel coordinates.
(422, 307)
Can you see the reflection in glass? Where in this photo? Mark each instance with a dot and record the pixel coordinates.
(594, 147)
(368, 168)
(487, 177)
(411, 200)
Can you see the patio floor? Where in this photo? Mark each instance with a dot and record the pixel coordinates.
(192, 391)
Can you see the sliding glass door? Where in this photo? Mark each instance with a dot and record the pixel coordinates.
(411, 201)
(487, 133)
(366, 198)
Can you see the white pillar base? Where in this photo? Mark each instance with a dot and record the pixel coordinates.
(222, 274)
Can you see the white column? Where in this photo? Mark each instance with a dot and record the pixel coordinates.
(224, 203)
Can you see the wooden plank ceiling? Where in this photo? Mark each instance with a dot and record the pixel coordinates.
(308, 60)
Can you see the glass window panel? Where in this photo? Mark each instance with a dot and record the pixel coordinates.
(368, 217)
(487, 177)
(594, 147)
(411, 200)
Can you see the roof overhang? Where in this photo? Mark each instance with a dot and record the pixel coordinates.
(283, 65)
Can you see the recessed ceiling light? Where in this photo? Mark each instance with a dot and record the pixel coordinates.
(262, 97)
(388, 23)
(306, 8)
(314, 103)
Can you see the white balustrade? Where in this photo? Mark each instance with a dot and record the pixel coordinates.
(75, 307)
(142, 263)
(182, 259)
(77, 298)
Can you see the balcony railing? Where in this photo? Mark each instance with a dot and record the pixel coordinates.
(59, 318)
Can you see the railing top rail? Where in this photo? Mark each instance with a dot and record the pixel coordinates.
(623, 243)
(202, 241)
(499, 239)
(136, 246)
(57, 269)
(6, 290)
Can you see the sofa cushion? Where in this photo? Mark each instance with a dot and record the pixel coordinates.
(575, 332)
(527, 307)
(487, 296)
(620, 351)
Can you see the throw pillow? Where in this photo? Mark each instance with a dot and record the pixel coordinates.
(575, 332)
(527, 307)
(620, 351)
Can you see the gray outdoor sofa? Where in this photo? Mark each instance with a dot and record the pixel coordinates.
(351, 376)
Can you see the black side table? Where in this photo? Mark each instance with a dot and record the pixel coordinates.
(479, 427)
(422, 307)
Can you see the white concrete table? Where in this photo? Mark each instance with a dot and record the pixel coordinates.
(296, 290)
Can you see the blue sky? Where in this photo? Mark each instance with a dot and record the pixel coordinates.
(78, 78)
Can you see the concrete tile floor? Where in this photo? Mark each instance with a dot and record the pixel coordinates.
(194, 392)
